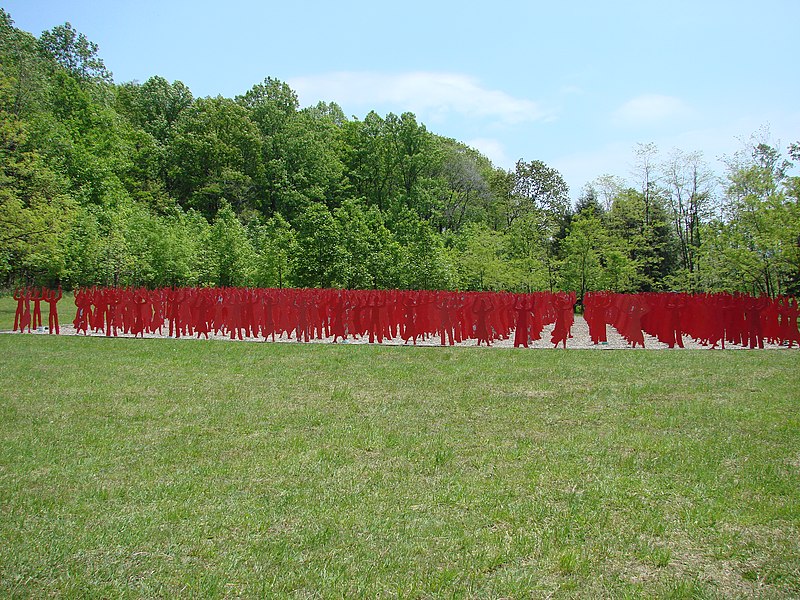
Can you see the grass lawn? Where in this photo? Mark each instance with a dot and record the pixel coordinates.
(213, 469)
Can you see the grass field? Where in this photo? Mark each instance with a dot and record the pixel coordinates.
(213, 469)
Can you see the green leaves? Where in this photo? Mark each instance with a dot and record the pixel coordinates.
(75, 53)
(757, 249)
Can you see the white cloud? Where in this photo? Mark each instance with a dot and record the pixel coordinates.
(429, 95)
(492, 149)
(651, 109)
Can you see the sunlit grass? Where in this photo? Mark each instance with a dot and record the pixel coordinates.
(170, 467)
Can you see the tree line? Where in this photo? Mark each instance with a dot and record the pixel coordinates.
(142, 184)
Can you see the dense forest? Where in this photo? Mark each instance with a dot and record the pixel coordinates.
(143, 184)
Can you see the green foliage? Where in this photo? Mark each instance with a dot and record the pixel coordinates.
(756, 248)
(481, 260)
(275, 245)
(154, 106)
(427, 265)
(321, 260)
(538, 187)
(531, 250)
(74, 52)
(34, 207)
(213, 157)
(232, 255)
(463, 194)
(642, 228)
(582, 250)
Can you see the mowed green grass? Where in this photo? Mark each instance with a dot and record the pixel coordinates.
(161, 468)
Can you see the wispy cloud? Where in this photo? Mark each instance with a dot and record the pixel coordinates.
(651, 109)
(492, 149)
(430, 95)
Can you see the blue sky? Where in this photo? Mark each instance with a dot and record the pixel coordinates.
(576, 85)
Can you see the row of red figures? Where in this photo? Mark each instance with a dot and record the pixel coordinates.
(376, 315)
(309, 314)
(29, 318)
(710, 319)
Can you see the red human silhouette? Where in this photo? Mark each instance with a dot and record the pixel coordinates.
(52, 297)
(792, 332)
(19, 296)
(145, 314)
(36, 318)
(256, 312)
(673, 305)
(97, 317)
(444, 302)
(457, 302)
(636, 309)
(753, 310)
(523, 306)
(357, 305)
(409, 303)
(25, 320)
(481, 307)
(113, 315)
(302, 330)
(83, 303)
(201, 307)
(564, 305)
(157, 297)
(376, 302)
(596, 313)
(270, 302)
(425, 325)
(336, 308)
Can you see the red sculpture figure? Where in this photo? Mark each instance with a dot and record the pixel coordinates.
(410, 317)
(523, 305)
(446, 328)
(375, 302)
(596, 307)
(97, 317)
(52, 297)
(425, 325)
(19, 296)
(270, 302)
(83, 303)
(158, 311)
(564, 305)
(25, 321)
(753, 310)
(636, 309)
(202, 305)
(480, 308)
(113, 299)
(792, 332)
(302, 330)
(256, 310)
(145, 314)
(673, 305)
(36, 296)
(336, 307)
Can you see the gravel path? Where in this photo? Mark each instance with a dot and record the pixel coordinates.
(580, 340)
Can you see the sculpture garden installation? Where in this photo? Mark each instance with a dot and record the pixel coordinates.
(451, 317)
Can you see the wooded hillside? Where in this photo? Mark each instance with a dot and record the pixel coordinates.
(143, 184)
